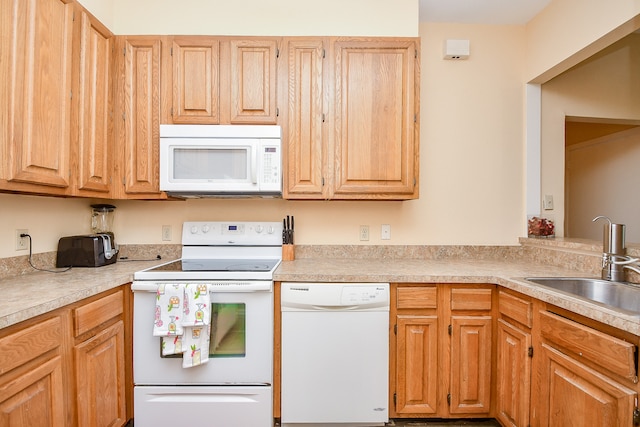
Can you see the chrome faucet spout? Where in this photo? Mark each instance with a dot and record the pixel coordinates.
(613, 248)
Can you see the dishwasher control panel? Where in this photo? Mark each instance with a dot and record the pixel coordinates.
(334, 296)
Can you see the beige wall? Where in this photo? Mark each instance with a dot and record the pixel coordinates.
(605, 86)
(602, 179)
(568, 31)
(259, 17)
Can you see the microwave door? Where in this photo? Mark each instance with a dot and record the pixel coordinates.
(209, 166)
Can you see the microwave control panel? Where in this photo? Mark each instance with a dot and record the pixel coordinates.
(271, 167)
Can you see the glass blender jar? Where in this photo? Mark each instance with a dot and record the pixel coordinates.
(102, 225)
(102, 219)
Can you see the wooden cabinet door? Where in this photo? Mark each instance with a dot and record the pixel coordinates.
(253, 81)
(35, 56)
(375, 114)
(417, 365)
(93, 142)
(306, 140)
(572, 394)
(140, 120)
(32, 384)
(100, 378)
(35, 398)
(513, 384)
(470, 380)
(196, 80)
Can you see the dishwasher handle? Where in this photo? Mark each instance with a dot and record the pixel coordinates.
(378, 306)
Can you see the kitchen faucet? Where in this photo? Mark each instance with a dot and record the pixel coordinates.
(614, 258)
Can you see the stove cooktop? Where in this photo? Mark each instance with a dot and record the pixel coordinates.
(214, 265)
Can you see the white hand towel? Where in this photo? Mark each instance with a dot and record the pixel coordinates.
(197, 305)
(196, 346)
(172, 345)
(168, 315)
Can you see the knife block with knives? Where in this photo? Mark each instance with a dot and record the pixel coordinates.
(288, 248)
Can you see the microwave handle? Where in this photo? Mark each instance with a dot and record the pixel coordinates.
(254, 163)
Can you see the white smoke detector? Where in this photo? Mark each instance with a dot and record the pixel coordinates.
(456, 49)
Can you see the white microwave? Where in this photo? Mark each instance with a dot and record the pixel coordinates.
(221, 160)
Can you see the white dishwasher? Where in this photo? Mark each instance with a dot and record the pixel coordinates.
(335, 354)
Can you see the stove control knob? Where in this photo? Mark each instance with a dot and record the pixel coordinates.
(205, 229)
(271, 229)
(194, 229)
(259, 229)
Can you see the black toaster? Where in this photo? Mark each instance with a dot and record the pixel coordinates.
(89, 250)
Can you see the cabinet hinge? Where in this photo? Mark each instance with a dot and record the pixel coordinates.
(530, 352)
(450, 329)
(449, 399)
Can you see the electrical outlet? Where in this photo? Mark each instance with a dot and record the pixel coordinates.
(364, 232)
(22, 243)
(166, 233)
(385, 232)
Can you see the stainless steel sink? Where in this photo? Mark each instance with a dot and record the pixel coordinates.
(622, 296)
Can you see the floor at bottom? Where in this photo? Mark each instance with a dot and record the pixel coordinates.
(444, 423)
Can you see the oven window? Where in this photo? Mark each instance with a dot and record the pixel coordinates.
(228, 331)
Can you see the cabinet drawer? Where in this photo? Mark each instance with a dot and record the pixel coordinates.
(97, 312)
(417, 297)
(470, 299)
(27, 344)
(518, 309)
(611, 353)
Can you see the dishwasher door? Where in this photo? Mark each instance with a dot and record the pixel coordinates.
(335, 354)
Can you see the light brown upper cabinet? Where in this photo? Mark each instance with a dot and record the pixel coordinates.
(375, 110)
(92, 147)
(352, 130)
(252, 81)
(307, 155)
(36, 59)
(196, 80)
(138, 118)
(219, 80)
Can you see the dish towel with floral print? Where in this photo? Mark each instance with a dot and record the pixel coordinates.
(182, 320)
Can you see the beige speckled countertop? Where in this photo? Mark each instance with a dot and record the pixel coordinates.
(507, 273)
(32, 294)
(27, 295)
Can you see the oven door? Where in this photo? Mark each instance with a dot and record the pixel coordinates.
(241, 350)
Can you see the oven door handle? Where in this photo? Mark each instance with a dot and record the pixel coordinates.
(235, 286)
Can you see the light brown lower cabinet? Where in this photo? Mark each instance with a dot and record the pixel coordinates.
(69, 367)
(584, 376)
(481, 351)
(441, 351)
(514, 353)
(32, 379)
